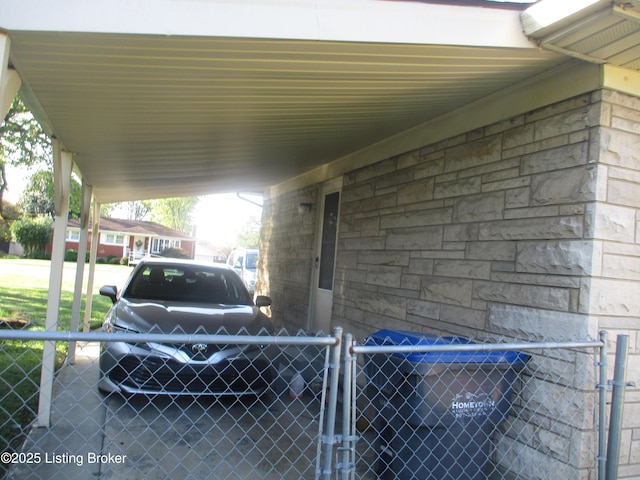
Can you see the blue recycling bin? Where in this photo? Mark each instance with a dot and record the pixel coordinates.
(436, 411)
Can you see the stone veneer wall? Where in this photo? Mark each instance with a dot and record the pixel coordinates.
(484, 232)
(285, 258)
(529, 229)
(612, 296)
(486, 235)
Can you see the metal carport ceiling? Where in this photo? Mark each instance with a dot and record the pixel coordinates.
(150, 115)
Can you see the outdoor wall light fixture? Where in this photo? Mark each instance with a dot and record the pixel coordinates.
(304, 208)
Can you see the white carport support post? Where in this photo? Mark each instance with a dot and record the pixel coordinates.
(9, 80)
(85, 208)
(95, 232)
(62, 164)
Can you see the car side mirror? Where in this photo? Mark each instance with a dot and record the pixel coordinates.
(263, 301)
(110, 291)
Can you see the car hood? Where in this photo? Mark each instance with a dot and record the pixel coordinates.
(168, 317)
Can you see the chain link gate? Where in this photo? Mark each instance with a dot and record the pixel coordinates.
(276, 434)
(465, 417)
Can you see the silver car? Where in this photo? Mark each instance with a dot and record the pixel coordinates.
(167, 296)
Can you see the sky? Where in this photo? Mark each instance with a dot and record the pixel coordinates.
(218, 218)
(17, 180)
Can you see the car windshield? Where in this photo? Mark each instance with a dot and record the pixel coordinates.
(187, 283)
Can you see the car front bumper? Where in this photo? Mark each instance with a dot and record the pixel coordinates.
(155, 369)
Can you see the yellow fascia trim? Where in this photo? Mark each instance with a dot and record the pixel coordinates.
(621, 79)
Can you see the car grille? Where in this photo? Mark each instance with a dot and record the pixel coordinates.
(198, 355)
(168, 376)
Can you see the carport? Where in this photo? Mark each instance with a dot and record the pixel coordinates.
(180, 98)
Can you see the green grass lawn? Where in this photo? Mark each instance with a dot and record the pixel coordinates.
(24, 291)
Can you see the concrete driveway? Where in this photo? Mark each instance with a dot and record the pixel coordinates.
(92, 436)
(210, 438)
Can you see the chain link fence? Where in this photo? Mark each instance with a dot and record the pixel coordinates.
(445, 408)
(260, 414)
(322, 406)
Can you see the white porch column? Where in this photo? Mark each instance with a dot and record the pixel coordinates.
(93, 255)
(9, 80)
(85, 207)
(62, 164)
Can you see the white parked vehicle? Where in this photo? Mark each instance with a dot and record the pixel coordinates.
(243, 261)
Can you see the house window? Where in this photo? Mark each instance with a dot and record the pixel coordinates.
(112, 239)
(73, 235)
(158, 245)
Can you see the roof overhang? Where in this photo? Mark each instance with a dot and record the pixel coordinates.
(168, 98)
(599, 31)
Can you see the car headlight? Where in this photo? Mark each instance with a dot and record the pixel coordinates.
(121, 329)
(111, 327)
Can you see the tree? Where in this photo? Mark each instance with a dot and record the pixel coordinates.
(250, 235)
(175, 212)
(106, 209)
(33, 234)
(10, 215)
(37, 198)
(22, 142)
(138, 210)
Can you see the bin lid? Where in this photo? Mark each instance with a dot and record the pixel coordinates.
(404, 337)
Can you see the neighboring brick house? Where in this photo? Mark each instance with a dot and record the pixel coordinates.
(133, 239)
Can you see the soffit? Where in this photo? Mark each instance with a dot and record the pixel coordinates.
(597, 30)
(151, 116)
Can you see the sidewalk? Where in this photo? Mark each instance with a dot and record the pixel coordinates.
(76, 433)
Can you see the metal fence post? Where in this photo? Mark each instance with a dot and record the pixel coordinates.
(347, 461)
(617, 404)
(602, 407)
(329, 438)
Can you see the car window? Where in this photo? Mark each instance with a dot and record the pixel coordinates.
(187, 284)
(252, 258)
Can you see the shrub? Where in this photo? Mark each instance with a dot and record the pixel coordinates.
(174, 253)
(34, 234)
(71, 255)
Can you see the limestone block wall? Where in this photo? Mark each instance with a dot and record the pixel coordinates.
(483, 233)
(612, 294)
(490, 234)
(285, 259)
(527, 229)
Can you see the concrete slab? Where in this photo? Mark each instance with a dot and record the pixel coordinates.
(96, 437)
(77, 414)
(210, 438)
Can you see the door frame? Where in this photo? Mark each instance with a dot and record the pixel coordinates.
(325, 189)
